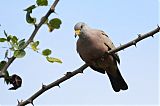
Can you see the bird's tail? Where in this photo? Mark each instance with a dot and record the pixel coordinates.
(118, 82)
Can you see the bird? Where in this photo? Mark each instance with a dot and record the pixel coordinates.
(91, 45)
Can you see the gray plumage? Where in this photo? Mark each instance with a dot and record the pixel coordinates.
(91, 46)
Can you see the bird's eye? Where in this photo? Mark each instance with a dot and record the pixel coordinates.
(81, 26)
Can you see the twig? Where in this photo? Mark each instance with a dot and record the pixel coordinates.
(135, 41)
(53, 84)
(37, 27)
(68, 75)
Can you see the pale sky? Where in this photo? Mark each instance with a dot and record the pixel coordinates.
(122, 20)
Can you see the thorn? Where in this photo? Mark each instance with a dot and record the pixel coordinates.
(18, 102)
(152, 36)
(134, 43)
(55, 13)
(31, 102)
(158, 27)
(81, 72)
(52, 9)
(69, 74)
(43, 86)
(58, 85)
(121, 45)
(139, 35)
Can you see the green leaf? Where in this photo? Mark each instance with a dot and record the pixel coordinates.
(21, 44)
(34, 45)
(21, 41)
(5, 34)
(50, 27)
(19, 53)
(30, 19)
(2, 64)
(12, 48)
(9, 37)
(6, 54)
(30, 8)
(54, 24)
(42, 2)
(46, 52)
(52, 60)
(3, 39)
(14, 39)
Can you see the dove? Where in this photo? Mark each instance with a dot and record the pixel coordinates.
(92, 44)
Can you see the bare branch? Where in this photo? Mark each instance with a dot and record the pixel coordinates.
(53, 84)
(135, 41)
(68, 75)
(37, 27)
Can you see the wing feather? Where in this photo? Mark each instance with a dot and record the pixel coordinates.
(109, 44)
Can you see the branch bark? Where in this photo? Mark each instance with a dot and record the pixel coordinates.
(68, 75)
(135, 41)
(37, 27)
(44, 88)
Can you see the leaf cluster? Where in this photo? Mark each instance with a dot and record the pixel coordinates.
(15, 45)
(52, 23)
(45, 52)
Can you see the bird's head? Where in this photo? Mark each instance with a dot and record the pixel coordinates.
(78, 28)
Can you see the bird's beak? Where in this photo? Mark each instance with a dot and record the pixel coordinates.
(77, 32)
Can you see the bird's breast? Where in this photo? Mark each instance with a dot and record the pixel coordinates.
(90, 49)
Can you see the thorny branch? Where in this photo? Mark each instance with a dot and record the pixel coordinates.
(68, 75)
(135, 41)
(37, 27)
(53, 84)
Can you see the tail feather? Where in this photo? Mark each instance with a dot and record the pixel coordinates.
(118, 82)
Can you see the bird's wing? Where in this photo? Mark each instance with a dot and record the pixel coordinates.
(109, 44)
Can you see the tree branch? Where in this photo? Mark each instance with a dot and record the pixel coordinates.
(37, 27)
(53, 84)
(135, 41)
(68, 75)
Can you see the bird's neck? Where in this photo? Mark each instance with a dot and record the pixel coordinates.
(84, 32)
